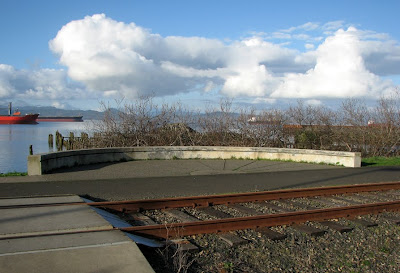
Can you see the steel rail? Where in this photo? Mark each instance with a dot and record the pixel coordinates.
(167, 231)
(223, 199)
(251, 222)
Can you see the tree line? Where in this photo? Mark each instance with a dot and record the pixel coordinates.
(353, 126)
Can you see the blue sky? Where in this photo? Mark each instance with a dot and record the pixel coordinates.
(260, 53)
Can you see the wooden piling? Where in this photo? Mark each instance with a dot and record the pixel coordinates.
(50, 140)
(71, 141)
(59, 141)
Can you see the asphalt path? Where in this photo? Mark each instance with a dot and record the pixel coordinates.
(190, 185)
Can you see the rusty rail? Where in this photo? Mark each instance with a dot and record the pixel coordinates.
(172, 230)
(269, 220)
(253, 222)
(211, 200)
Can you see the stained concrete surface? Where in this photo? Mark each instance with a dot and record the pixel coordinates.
(171, 178)
(49, 250)
(166, 168)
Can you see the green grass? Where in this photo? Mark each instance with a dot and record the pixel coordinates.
(13, 174)
(301, 161)
(380, 161)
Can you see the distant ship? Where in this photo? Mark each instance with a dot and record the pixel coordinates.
(60, 119)
(17, 118)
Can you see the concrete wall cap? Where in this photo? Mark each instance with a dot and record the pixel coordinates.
(42, 163)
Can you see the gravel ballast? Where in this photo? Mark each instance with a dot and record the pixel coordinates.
(372, 249)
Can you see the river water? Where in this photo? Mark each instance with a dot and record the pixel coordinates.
(15, 140)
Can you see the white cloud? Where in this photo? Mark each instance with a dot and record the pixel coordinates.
(260, 100)
(58, 104)
(314, 102)
(333, 26)
(6, 77)
(209, 86)
(111, 93)
(38, 84)
(309, 46)
(107, 59)
(339, 72)
(309, 26)
(108, 55)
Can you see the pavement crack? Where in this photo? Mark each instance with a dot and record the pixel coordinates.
(202, 163)
(238, 168)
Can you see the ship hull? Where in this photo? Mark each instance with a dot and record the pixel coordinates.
(27, 119)
(60, 119)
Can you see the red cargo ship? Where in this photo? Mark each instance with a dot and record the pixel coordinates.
(17, 118)
(60, 119)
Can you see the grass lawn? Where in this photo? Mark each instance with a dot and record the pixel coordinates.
(13, 174)
(380, 161)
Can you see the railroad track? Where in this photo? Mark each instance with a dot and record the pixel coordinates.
(258, 210)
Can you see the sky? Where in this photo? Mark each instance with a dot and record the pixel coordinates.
(260, 54)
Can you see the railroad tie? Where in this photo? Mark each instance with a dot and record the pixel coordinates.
(336, 226)
(388, 195)
(139, 219)
(182, 244)
(382, 197)
(180, 215)
(216, 213)
(367, 198)
(267, 232)
(364, 223)
(358, 221)
(177, 244)
(330, 224)
(230, 238)
(313, 231)
(393, 219)
(346, 200)
(327, 202)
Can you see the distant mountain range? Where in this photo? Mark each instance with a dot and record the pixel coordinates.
(87, 114)
(53, 111)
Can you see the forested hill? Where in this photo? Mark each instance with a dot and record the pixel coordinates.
(52, 111)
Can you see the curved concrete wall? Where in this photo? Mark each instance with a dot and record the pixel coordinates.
(44, 163)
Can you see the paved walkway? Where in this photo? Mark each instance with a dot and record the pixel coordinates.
(167, 168)
(171, 178)
(51, 250)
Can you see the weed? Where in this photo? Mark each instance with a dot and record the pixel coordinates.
(227, 267)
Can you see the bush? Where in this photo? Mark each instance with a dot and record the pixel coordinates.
(353, 127)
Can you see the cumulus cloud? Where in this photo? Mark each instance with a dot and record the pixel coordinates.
(339, 71)
(106, 58)
(108, 55)
(37, 84)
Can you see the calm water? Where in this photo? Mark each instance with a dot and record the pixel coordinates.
(15, 141)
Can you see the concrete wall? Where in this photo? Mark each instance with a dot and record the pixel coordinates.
(44, 163)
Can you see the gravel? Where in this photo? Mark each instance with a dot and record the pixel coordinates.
(373, 249)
